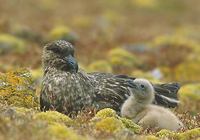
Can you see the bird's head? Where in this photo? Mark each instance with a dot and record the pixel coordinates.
(60, 55)
(143, 90)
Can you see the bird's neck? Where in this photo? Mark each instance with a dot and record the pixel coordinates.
(138, 103)
(48, 70)
(51, 70)
(144, 102)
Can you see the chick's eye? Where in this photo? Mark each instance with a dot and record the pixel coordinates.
(142, 86)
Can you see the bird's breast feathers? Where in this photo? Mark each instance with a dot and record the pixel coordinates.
(64, 87)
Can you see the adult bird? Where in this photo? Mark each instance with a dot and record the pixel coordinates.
(68, 89)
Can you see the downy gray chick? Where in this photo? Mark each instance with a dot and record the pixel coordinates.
(140, 109)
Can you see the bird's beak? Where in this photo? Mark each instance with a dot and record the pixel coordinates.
(71, 61)
(131, 84)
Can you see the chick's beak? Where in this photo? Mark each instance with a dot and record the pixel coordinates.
(131, 84)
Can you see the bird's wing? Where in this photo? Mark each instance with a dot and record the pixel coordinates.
(169, 89)
(111, 91)
(114, 90)
(166, 94)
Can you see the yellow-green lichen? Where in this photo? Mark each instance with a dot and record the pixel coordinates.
(62, 132)
(54, 116)
(107, 112)
(109, 116)
(109, 124)
(189, 134)
(151, 137)
(119, 57)
(166, 133)
(129, 124)
(16, 89)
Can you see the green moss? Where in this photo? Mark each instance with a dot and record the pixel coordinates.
(9, 43)
(15, 89)
(62, 132)
(54, 116)
(166, 133)
(151, 137)
(100, 65)
(189, 134)
(109, 124)
(105, 119)
(107, 112)
(59, 31)
(119, 57)
(129, 124)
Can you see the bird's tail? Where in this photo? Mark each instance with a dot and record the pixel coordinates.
(166, 94)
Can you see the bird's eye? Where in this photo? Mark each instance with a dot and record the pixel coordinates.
(56, 50)
(142, 86)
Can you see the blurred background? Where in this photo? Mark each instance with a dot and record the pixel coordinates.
(158, 40)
